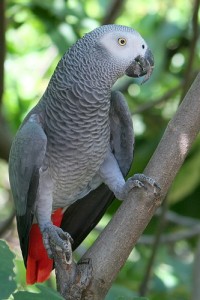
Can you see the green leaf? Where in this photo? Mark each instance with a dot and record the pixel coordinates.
(7, 282)
(186, 180)
(139, 298)
(20, 271)
(118, 292)
(46, 293)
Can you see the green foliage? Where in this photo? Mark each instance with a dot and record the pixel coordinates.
(8, 283)
(44, 293)
(119, 292)
(37, 34)
(170, 278)
(187, 179)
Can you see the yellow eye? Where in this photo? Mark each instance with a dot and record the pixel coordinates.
(122, 41)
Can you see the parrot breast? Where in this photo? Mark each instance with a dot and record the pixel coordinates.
(78, 135)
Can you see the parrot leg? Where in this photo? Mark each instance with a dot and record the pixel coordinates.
(54, 236)
(112, 176)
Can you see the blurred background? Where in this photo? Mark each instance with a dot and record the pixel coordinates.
(34, 35)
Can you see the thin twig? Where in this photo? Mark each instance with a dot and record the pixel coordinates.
(2, 48)
(161, 225)
(178, 219)
(5, 134)
(195, 30)
(113, 12)
(160, 100)
(171, 238)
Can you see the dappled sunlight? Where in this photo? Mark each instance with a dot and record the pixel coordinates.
(183, 144)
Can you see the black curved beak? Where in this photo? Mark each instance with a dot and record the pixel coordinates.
(141, 66)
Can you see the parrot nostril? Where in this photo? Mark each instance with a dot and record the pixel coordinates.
(138, 59)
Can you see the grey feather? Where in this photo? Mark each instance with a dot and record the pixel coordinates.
(83, 215)
(72, 130)
(122, 135)
(26, 157)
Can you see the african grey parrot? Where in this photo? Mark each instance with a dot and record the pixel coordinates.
(70, 156)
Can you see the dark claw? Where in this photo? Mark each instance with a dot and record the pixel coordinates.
(157, 186)
(149, 180)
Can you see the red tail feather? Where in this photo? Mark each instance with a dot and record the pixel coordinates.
(39, 265)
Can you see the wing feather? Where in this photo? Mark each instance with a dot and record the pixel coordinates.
(26, 157)
(122, 134)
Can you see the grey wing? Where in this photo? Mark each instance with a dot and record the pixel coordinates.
(83, 215)
(122, 135)
(26, 157)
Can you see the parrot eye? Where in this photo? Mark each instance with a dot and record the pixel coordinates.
(143, 46)
(122, 41)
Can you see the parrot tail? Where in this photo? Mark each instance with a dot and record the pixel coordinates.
(39, 265)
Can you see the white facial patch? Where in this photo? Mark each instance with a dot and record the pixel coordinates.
(134, 45)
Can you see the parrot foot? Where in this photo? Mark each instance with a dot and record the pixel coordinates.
(54, 236)
(138, 180)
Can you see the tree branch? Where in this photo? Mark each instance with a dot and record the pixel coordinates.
(113, 12)
(110, 251)
(113, 246)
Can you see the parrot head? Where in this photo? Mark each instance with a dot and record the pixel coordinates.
(127, 49)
